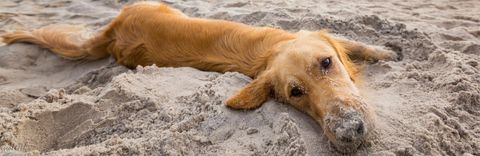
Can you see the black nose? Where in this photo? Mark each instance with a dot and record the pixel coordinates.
(351, 129)
(350, 132)
(360, 128)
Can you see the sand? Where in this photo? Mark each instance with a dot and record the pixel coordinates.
(426, 103)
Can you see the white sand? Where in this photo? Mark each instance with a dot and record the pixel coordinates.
(428, 103)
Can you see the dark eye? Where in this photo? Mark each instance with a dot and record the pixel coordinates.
(296, 92)
(326, 63)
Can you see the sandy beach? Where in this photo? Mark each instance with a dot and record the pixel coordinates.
(426, 103)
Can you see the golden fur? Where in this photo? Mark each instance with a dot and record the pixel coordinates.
(152, 33)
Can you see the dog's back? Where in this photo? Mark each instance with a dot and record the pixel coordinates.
(148, 33)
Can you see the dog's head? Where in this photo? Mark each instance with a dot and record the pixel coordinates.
(314, 74)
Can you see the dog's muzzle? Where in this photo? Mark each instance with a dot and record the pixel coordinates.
(349, 130)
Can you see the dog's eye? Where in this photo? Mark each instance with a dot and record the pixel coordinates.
(326, 63)
(296, 92)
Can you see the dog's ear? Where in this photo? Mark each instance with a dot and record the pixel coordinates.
(253, 95)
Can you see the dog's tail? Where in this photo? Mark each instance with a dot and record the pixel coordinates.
(68, 41)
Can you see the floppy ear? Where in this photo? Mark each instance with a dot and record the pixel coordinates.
(253, 95)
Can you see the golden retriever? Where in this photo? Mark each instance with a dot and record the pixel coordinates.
(309, 70)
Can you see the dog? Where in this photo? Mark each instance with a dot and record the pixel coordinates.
(310, 70)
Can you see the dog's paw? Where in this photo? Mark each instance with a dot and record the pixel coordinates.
(396, 50)
(384, 53)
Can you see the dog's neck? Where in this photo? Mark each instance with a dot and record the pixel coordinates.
(251, 51)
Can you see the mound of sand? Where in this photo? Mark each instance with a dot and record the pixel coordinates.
(427, 103)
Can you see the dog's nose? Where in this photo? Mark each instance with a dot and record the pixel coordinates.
(348, 123)
(350, 131)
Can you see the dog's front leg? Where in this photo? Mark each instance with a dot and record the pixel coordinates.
(359, 50)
